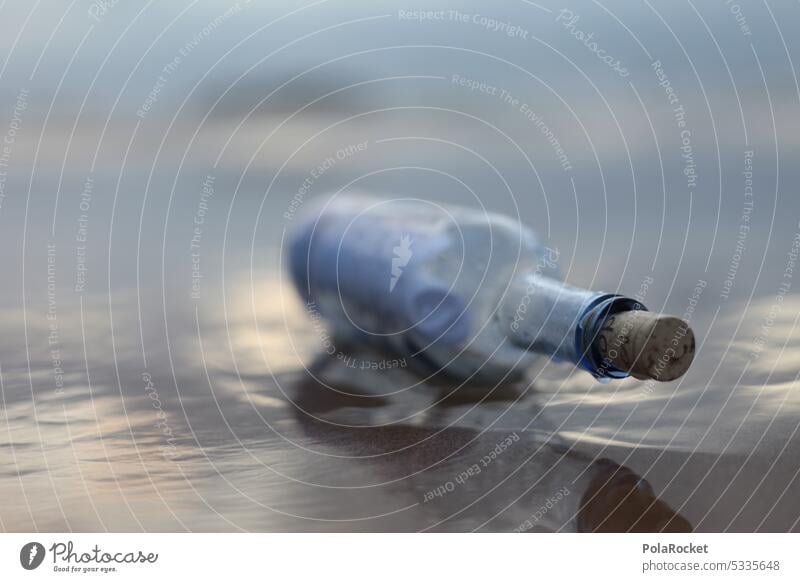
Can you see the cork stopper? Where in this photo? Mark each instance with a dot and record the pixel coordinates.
(647, 345)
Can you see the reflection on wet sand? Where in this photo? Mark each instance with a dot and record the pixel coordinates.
(495, 480)
(257, 444)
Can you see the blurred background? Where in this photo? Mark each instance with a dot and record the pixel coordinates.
(153, 365)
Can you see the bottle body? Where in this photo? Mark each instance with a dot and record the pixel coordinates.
(457, 290)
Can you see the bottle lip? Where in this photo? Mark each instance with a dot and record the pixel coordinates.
(589, 324)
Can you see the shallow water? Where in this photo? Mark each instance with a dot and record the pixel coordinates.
(195, 440)
(158, 378)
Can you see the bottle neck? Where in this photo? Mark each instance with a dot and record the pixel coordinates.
(544, 315)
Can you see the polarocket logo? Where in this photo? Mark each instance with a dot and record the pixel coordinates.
(31, 555)
(402, 255)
